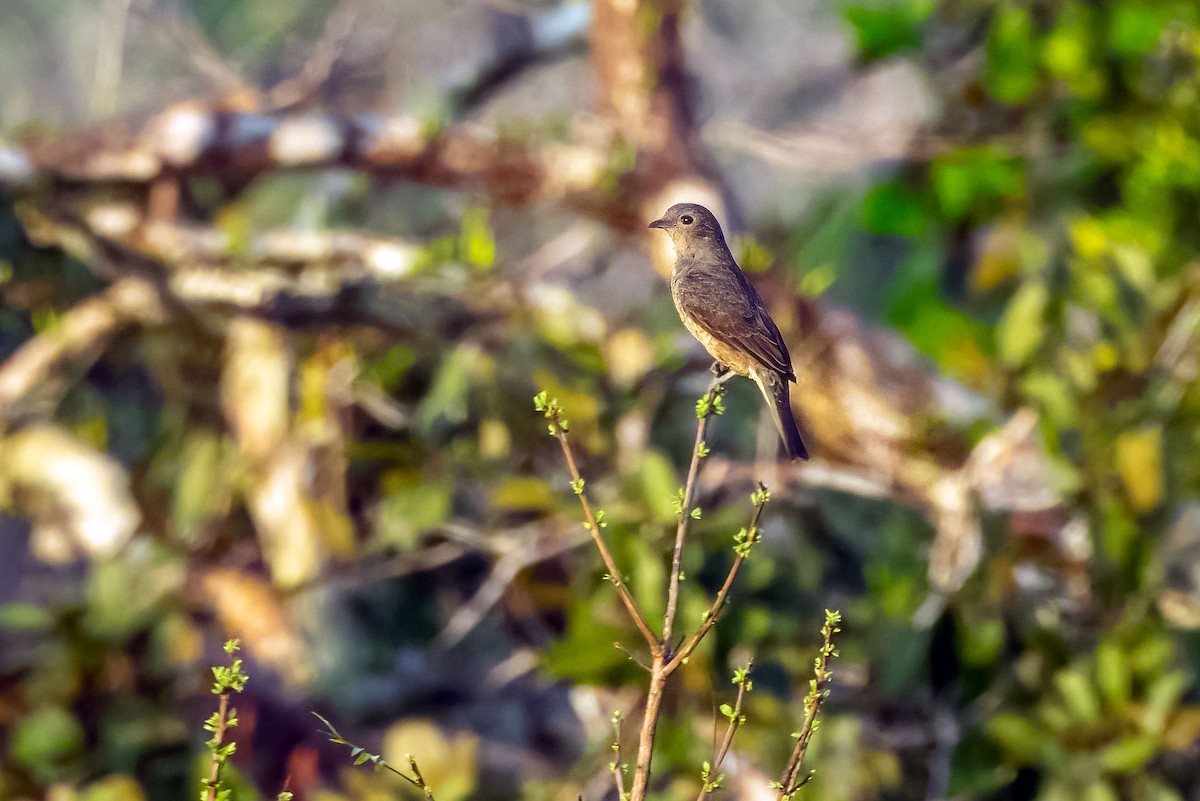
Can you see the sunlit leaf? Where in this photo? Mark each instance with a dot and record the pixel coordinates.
(1128, 754)
(1022, 327)
(1139, 464)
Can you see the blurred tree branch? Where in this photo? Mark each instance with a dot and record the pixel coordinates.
(113, 201)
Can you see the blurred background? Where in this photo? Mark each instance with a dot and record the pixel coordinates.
(280, 279)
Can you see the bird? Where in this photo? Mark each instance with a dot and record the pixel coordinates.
(722, 309)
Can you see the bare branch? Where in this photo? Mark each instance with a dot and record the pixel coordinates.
(31, 379)
(321, 61)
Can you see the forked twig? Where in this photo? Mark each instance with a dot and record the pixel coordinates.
(663, 661)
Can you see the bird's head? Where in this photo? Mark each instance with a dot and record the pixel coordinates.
(689, 223)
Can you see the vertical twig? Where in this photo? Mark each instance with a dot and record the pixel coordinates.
(818, 691)
(710, 776)
(712, 403)
(218, 739)
(226, 679)
(616, 766)
(661, 664)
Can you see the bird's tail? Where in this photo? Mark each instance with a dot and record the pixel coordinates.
(774, 388)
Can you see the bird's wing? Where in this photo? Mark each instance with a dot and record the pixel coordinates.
(740, 319)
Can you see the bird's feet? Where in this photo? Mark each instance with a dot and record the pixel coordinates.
(721, 373)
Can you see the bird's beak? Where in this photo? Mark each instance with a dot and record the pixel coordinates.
(658, 224)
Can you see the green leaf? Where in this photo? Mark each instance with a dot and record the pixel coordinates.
(658, 484)
(45, 741)
(477, 241)
(1113, 676)
(1129, 755)
(893, 209)
(25, 617)
(891, 27)
(1135, 27)
(445, 404)
(523, 494)
(1162, 700)
(1012, 56)
(1016, 735)
(975, 180)
(1022, 327)
(1078, 694)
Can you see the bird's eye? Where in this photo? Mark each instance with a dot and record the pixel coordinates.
(686, 219)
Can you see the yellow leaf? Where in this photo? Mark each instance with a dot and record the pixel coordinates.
(629, 355)
(1089, 238)
(523, 494)
(1139, 464)
(450, 765)
(1000, 258)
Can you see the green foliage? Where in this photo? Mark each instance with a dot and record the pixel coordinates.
(1039, 247)
(1072, 168)
(226, 679)
(883, 29)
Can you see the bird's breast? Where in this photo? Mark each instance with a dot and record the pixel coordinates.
(734, 358)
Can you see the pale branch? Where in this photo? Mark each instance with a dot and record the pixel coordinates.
(297, 279)
(318, 67)
(198, 138)
(32, 379)
(546, 34)
(514, 555)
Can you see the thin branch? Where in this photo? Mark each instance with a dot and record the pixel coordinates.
(218, 740)
(515, 556)
(325, 54)
(361, 756)
(662, 662)
(594, 522)
(791, 781)
(743, 542)
(711, 774)
(617, 768)
(226, 679)
(712, 403)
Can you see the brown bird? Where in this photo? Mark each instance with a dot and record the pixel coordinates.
(724, 311)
